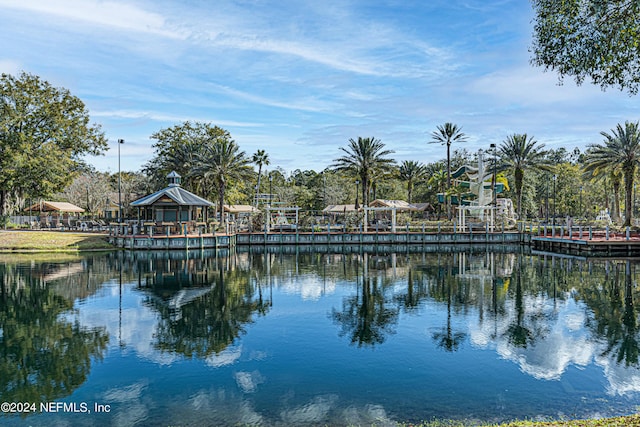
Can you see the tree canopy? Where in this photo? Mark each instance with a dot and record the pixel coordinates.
(589, 39)
(44, 132)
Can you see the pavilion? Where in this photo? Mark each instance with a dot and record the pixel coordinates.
(173, 207)
(55, 210)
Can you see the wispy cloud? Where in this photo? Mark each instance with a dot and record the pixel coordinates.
(120, 15)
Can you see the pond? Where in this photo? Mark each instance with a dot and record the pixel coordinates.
(295, 336)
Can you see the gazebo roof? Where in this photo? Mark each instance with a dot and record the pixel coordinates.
(175, 193)
(55, 207)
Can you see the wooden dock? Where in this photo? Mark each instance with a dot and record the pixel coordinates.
(215, 241)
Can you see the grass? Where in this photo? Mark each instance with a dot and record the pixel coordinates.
(628, 421)
(51, 241)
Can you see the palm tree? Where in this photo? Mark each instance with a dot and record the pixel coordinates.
(621, 150)
(447, 134)
(411, 171)
(363, 159)
(520, 152)
(260, 158)
(222, 162)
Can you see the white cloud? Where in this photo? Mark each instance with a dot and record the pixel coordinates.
(119, 15)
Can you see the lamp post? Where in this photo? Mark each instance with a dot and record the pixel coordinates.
(555, 177)
(546, 206)
(120, 141)
(270, 191)
(494, 193)
(357, 184)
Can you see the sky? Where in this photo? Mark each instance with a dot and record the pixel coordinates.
(299, 78)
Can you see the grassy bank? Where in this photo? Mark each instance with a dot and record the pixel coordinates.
(628, 421)
(51, 241)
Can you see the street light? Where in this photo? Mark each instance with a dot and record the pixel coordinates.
(357, 184)
(555, 177)
(494, 195)
(120, 141)
(270, 192)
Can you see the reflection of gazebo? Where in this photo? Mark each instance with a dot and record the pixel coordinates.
(55, 209)
(173, 206)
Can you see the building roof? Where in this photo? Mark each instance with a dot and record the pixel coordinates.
(240, 209)
(55, 207)
(338, 209)
(400, 205)
(177, 194)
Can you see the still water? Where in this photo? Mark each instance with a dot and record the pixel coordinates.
(297, 337)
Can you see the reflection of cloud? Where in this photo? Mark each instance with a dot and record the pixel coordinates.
(565, 343)
(622, 379)
(215, 407)
(132, 411)
(313, 412)
(249, 381)
(228, 356)
(310, 287)
(370, 415)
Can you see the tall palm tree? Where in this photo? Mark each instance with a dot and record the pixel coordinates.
(260, 158)
(447, 134)
(411, 171)
(621, 149)
(520, 152)
(363, 159)
(221, 162)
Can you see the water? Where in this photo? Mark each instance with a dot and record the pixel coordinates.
(297, 337)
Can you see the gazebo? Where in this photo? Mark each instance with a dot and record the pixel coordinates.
(173, 208)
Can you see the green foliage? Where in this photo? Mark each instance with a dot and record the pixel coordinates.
(44, 132)
(519, 153)
(365, 159)
(621, 152)
(596, 39)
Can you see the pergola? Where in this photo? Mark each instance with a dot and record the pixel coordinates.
(173, 206)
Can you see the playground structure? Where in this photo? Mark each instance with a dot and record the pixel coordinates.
(281, 217)
(479, 206)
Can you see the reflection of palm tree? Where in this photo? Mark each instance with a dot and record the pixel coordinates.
(447, 338)
(519, 335)
(367, 317)
(621, 328)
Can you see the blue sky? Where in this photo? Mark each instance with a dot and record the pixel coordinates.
(299, 78)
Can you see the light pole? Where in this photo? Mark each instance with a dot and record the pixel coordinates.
(270, 193)
(357, 184)
(494, 195)
(555, 177)
(120, 141)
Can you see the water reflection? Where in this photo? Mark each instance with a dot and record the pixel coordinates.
(295, 336)
(44, 355)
